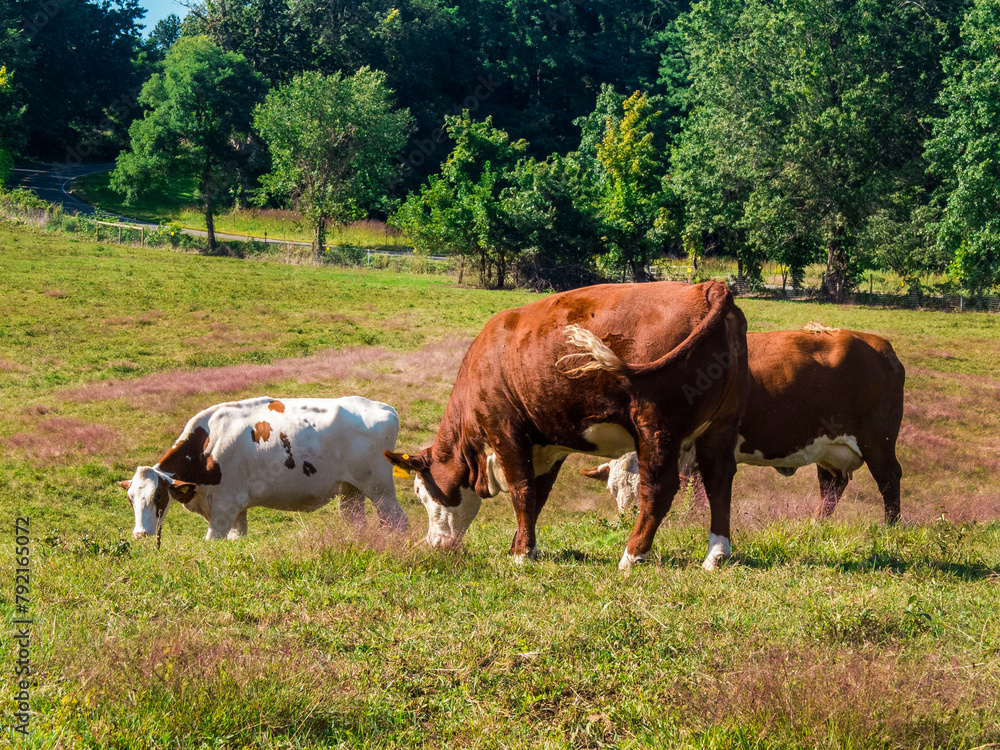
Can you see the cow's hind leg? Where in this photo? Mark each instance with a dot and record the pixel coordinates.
(831, 488)
(352, 505)
(717, 464)
(239, 528)
(887, 472)
(659, 481)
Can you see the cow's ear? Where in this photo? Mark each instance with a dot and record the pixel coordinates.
(403, 464)
(125, 484)
(600, 473)
(181, 491)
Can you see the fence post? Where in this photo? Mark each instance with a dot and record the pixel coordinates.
(119, 234)
(142, 236)
(961, 303)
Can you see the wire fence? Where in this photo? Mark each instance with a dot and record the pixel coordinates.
(908, 301)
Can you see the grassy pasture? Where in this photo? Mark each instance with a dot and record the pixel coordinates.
(835, 635)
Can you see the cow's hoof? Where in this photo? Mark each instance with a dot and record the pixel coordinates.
(718, 552)
(531, 554)
(628, 560)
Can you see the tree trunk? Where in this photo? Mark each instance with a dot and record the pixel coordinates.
(319, 239)
(206, 188)
(638, 271)
(836, 270)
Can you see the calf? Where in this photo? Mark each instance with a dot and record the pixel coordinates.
(557, 377)
(288, 454)
(818, 396)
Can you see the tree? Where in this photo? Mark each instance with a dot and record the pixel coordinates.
(965, 151)
(814, 108)
(333, 143)
(467, 209)
(162, 37)
(633, 203)
(86, 52)
(6, 160)
(554, 204)
(198, 119)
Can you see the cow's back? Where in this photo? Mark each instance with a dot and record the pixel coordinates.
(804, 384)
(513, 362)
(282, 452)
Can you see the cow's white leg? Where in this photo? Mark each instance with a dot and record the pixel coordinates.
(390, 513)
(718, 550)
(224, 513)
(239, 528)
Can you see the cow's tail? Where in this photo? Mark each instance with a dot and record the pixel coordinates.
(720, 302)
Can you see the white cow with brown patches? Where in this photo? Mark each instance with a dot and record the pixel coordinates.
(289, 454)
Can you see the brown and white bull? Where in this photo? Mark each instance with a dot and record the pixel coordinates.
(820, 396)
(288, 454)
(557, 377)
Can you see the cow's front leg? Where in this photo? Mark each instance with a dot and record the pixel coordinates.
(224, 514)
(391, 515)
(239, 528)
(718, 467)
(659, 481)
(543, 488)
(515, 462)
(831, 488)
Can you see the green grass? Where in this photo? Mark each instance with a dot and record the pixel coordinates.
(178, 207)
(842, 634)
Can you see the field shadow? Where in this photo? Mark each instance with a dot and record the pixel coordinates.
(880, 563)
(578, 556)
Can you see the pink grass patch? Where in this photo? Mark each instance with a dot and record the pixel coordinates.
(59, 439)
(55, 293)
(435, 363)
(6, 366)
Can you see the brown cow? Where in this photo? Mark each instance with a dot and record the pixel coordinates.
(555, 377)
(818, 396)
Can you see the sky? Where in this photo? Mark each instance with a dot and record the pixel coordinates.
(159, 9)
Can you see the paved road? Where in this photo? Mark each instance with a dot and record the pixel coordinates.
(49, 182)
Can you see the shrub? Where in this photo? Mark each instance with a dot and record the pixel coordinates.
(345, 254)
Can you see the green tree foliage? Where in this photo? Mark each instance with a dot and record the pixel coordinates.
(532, 65)
(965, 151)
(555, 205)
(333, 141)
(810, 112)
(78, 79)
(198, 122)
(468, 208)
(633, 204)
(7, 118)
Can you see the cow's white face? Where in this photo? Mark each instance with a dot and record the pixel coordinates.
(149, 497)
(447, 525)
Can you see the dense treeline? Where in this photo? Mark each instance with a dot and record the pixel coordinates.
(561, 141)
